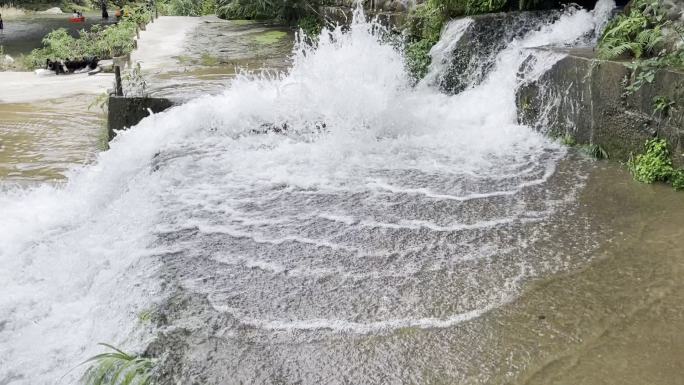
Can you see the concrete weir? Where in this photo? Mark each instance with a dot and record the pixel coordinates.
(587, 99)
(126, 111)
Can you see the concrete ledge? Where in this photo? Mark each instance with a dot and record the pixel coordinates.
(125, 112)
(585, 98)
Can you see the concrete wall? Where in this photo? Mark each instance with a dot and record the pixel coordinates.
(125, 112)
(586, 99)
(474, 55)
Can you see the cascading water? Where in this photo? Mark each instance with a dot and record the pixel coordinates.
(293, 226)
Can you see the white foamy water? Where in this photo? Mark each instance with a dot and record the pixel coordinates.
(371, 206)
(440, 53)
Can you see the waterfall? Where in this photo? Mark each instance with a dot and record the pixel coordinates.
(468, 50)
(441, 52)
(334, 199)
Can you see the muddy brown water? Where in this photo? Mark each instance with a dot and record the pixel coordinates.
(619, 319)
(41, 141)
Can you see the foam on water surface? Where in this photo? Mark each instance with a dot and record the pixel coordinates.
(363, 206)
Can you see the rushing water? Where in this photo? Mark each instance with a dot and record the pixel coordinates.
(330, 225)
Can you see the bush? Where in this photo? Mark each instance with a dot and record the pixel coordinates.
(418, 58)
(632, 35)
(289, 11)
(103, 42)
(246, 9)
(116, 41)
(474, 7)
(639, 33)
(678, 180)
(655, 165)
(187, 7)
(311, 25)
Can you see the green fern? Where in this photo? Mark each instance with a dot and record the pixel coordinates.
(118, 368)
(637, 34)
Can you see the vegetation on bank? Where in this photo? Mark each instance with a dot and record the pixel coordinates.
(304, 14)
(644, 31)
(653, 40)
(655, 165)
(186, 7)
(24, 6)
(103, 42)
(164, 7)
(648, 36)
(289, 11)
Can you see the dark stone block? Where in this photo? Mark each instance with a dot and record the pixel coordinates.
(474, 55)
(586, 99)
(125, 112)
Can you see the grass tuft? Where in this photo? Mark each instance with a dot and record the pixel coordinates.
(116, 367)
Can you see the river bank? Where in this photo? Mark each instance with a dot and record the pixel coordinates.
(158, 46)
(180, 57)
(23, 33)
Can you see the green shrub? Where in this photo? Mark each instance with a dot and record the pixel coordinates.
(418, 58)
(654, 165)
(140, 14)
(103, 42)
(311, 25)
(425, 21)
(245, 9)
(629, 34)
(289, 11)
(115, 41)
(642, 34)
(184, 8)
(475, 7)
(424, 26)
(662, 105)
(678, 180)
(639, 33)
(208, 7)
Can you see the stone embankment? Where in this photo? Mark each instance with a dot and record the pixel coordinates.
(588, 100)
